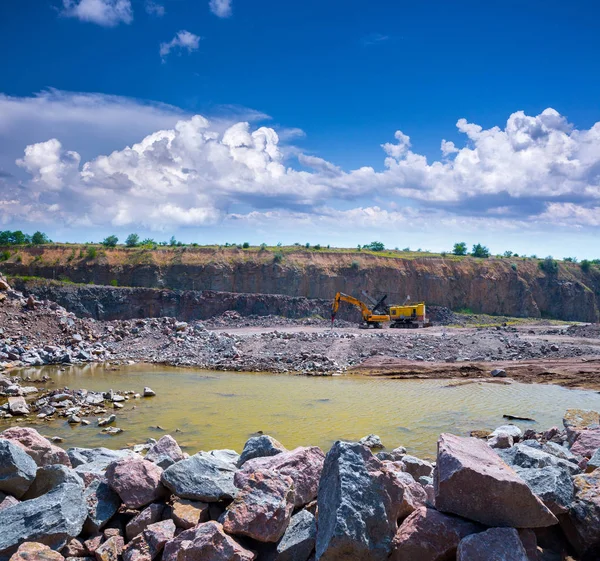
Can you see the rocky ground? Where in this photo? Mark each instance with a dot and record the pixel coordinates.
(505, 496)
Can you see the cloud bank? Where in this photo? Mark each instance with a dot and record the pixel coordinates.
(182, 40)
(107, 13)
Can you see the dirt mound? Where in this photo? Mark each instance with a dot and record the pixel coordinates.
(591, 331)
(440, 315)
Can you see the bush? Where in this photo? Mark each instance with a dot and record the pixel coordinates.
(459, 248)
(278, 257)
(549, 265)
(585, 265)
(375, 246)
(307, 245)
(114, 282)
(5, 255)
(317, 246)
(507, 254)
(110, 241)
(406, 249)
(480, 251)
(513, 266)
(91, 252)
(443, 254)
(263, 246)
(245, 245)
(570, 259)
(133, 240)
(355, 265)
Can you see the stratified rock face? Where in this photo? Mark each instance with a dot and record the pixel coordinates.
(202, 478)
(356, 513)
(472, 481)
(260, 447)
(165, 452)
(582, 525)
(136, 481)
(495, 544)
(298, 542)
(43, 452)
(429, 535)
(263, 507)
(207, 542)
(304, 465)
(51, 519)
(17, 469)
(31, 551)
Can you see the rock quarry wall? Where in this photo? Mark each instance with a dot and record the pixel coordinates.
(515, 287)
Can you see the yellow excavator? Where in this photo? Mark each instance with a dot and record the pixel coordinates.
(369, 318)
(406, 316)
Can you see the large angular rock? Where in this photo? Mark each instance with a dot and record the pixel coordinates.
(17, 469)
(110, 550)
(299, 539)
(407, 494)
(263, 507)
(43, 452)
(495, 544)
(429, 535)
(303, 465)
(577, 420)
(51, 519)
(32, 551)
(101, 457)
(417, 467)
(18, 406)
(582, 525)
(157, 535)
(586, 443)
(524, 456)
(48, 478)
(259, 447)
(202, 478)
(551, 484)
(471, 480)
(165, 452)
(150, 515)
(207, 542)
(187, 514)
(136, 481)
(102, 504)
(356, 505)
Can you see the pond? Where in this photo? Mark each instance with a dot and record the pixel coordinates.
(223, 409)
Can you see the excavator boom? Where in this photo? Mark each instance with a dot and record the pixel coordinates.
(368, 317)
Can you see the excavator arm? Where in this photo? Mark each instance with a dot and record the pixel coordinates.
(367, 315)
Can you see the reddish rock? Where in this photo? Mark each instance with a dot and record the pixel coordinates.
(136, 481)
(407, 495)
(7, 502)
(137, 550)
(75, 548)
(110, 550)
(429, 535)
(165, 449)
(586, 442)
(263, 507)
(472, 481)
(304, 465)
(495, 544)
(151, 514)
(187, 514)
(206, 542)
(93, 543)
(577, 420)
(31, 551)
(43, 452)
(157, 535)
(529, 541)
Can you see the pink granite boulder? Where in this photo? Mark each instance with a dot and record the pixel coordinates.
(136, 481)
(43, 452)
(495, 544)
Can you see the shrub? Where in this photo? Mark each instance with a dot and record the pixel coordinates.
(317, 246)
(585, 265)
(5, 255)
(245, 245)
(18, 259)
(513, 266)
(263, 246)
(307, 245)
(375, 246)
(279, 244)
(443, 254)
(570, 259)
(460, 248)
(507, 254)
(114, 282)
(406, 249)
(549, 265)
(278, 257)
(480, 251)
(355, 265)
(110, 241)
(91, 252)
(133, 240)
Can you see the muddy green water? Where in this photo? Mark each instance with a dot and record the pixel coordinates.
(222, 409)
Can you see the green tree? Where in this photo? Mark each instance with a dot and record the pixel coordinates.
(480, 251)
(110, 241)
(133, 240)
(245, 245)
(460, 248)
(549, 265)
(173, 242)
(375, 246)
(585, 265)
(507, 254)
(39, 238)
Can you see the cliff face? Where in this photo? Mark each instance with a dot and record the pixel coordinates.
(491, 286)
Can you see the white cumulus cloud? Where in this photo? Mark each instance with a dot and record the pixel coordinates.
(102, 12)
(221, 8)
(182, 40)
(154, 9)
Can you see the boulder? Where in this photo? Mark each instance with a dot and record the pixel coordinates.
(416, 467)
(559, 451)
(137, 550)
(7, 501)
(512, 430)
(17, 469)
(594, 462)
(157, 535)
(357, 516)
(187, 514)
(582, 524)
(429, 535)
(577, 420)
(102, 504)
(48, 478)
(303, 464)
(298, 542)
(259, 447)
(165, 452)
(524, 456)
(101, 457)
(18, 406)
(495, 544)
(551, 484)
(501, 440)
(32, 551)
(263, 507)
(227, 456)
(43, 452)
(471, 480)
(201, 477)
(407, 495)
(150, 515)
(51, 519)
(371, 441)
(586, 442)
(208, 542)
(136, 481)
(110, 550)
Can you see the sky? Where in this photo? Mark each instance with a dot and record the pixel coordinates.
(419, 124)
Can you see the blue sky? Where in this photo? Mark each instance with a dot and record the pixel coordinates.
(334, 80)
